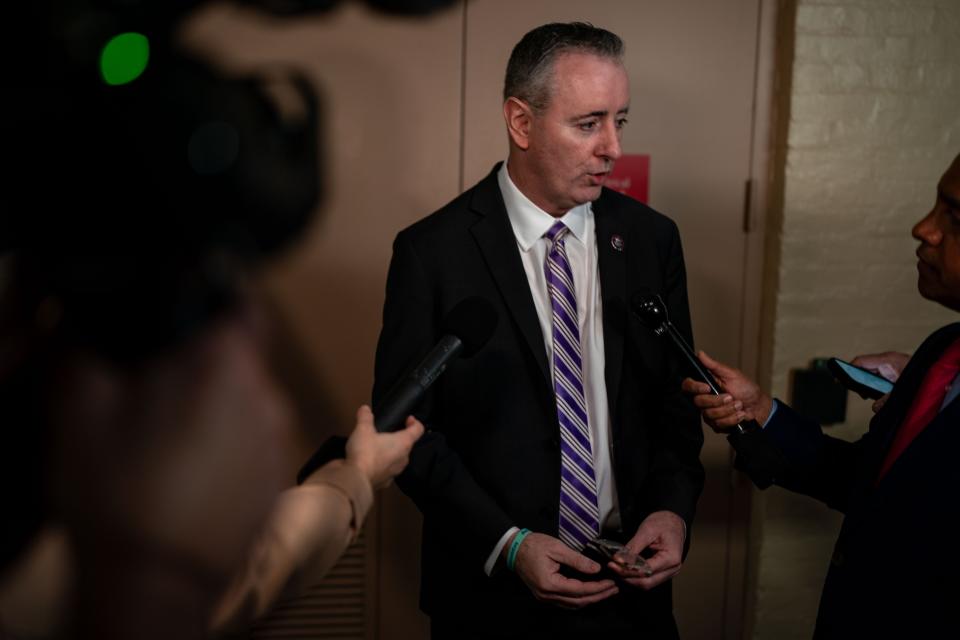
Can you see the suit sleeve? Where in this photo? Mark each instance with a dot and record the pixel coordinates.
(830, 469)
(815, 464)
(677, 476)
(435, 479)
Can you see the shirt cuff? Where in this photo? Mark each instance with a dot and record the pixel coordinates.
(773, 411)
(492, 559)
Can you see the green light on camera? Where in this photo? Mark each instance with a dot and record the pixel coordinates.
(124, 58)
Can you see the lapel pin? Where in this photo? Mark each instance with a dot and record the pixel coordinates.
(616, 242)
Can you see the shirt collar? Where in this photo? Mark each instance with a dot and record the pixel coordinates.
(529, 221)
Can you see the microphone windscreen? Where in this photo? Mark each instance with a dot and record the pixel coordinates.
(473, 320)
(640, 296)
(648, 307)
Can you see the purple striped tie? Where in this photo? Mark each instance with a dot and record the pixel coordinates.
(579, 515)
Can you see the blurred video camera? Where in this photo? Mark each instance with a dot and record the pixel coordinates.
(142, 181)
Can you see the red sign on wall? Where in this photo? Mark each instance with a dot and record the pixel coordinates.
(631, 176)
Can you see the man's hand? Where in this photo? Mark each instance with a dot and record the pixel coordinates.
(743, 399)
(889, 364)
(381, 456)
(664, 532)
(538, 564)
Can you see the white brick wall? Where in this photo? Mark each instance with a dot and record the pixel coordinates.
(875, 119)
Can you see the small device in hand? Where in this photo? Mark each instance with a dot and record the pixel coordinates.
(603, 551)
(867, 384)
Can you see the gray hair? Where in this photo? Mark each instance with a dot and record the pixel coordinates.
(530, 68)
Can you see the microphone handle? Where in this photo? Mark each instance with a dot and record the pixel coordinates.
(747, 426)
(692, 358)
(391, 413)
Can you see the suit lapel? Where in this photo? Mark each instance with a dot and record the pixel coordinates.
(612, 263)
(948, 418)
(497, 243)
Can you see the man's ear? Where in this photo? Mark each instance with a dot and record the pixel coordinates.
(519, 118)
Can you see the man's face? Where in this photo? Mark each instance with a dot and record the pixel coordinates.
(939, 250)
(574, 142)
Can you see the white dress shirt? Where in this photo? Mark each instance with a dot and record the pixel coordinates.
(530, 223)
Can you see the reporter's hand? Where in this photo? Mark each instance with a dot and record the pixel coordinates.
(879, 402)
(381, 456)
(742, 400)
(664, 532)
(889, 364)
(538, 563)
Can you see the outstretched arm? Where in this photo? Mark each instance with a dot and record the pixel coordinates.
(312, 524)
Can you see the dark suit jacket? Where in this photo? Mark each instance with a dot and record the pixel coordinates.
(491, 459)
(894, 571)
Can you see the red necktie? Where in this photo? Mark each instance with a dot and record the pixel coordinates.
(926, 404)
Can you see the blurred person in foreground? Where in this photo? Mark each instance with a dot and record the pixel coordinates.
(143, 421)
(893, 572)
(166, 475)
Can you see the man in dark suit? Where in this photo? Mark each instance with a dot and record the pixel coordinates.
(569, 423)
(893, 572)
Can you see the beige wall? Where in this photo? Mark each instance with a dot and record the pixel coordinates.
(412, 114)
(874, 119)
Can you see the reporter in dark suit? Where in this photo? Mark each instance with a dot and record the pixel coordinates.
(893, 572)
(487, 476)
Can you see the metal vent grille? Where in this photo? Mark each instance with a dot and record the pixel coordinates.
(336, 609)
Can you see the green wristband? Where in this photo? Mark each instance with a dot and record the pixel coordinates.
(515, 547)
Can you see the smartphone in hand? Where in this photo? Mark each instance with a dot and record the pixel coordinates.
(867, 384)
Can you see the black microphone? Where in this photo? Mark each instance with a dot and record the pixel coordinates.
(465, 330)
(756, 456)
(650, 309)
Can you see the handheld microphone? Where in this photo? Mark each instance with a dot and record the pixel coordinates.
(465, 330)
(756, 457)
(652, 312)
